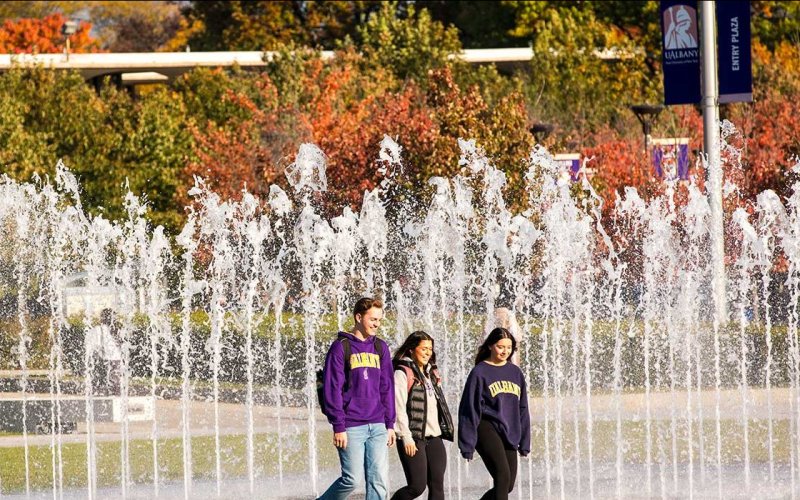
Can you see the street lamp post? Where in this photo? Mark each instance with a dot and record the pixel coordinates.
(647, 114)
(68, 29)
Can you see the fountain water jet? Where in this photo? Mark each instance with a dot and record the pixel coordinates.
(633, 386)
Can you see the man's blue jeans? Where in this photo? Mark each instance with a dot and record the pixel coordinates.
(367, 455)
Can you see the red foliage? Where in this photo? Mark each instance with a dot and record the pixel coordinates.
(771, 142)
(622, 162)
(350, 135)
(43, 36)
(619, 164)
(237, 158)
(348, 130)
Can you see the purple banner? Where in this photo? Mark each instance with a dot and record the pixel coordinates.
(681, 52)
(733, 38)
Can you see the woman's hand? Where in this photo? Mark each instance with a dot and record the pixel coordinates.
(411, 449)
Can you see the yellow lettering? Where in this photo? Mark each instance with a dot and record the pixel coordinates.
(365, 360)
(504, 387)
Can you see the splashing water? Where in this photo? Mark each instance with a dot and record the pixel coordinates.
(633, 390)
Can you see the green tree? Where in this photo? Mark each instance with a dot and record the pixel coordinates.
(409, 45)
(109, 140)
(584, 72)
(22, 153)
(204, 92)
(266, 25)
(152, 144)
(775, 22)
(480, 24)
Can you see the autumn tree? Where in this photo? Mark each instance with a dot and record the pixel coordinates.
(118, 26)
(266, 25)
(31, 36)
(769, 124)
(145, 26)
(233, 150)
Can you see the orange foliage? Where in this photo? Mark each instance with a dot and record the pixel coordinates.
(43, 36)
(773, 143)
(350, 134)
(238, 158)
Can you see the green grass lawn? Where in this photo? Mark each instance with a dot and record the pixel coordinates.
(635, 449)
(170, 461)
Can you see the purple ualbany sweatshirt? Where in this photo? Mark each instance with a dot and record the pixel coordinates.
(369, 396)
(497, 394)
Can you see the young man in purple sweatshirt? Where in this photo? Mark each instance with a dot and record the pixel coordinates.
(359, 404)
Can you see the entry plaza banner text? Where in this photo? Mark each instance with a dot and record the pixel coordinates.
(733, 39)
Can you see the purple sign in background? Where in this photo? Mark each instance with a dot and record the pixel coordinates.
(671, 158)
(570, 163)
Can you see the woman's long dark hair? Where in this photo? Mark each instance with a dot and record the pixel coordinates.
(411, 343)
(494, 337)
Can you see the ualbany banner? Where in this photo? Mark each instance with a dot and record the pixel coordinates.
(671, 158)
(681, 54)
(733, 39)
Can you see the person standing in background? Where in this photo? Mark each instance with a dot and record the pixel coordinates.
(104, 356)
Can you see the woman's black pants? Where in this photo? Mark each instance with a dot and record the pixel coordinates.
(499, 458)
(425, 468)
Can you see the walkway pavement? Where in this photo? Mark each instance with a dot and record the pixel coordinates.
(233, 417)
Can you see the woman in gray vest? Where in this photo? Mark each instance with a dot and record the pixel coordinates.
(423, 418)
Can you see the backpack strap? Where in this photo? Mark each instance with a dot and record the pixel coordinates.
(435, 375)
(381, 345)
(347, 351)
(410, 378)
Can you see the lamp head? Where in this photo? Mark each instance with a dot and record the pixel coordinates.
(69, 27)
(647, 109)
(541, 130)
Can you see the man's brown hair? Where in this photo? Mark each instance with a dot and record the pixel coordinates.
(364, 304)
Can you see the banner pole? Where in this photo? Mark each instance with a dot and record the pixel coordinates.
(711, 144)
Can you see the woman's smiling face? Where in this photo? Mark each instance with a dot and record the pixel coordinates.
(422, 353)
(501, 351)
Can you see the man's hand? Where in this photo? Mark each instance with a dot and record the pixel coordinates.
(340, 439)
(411, 449)
(392, 438)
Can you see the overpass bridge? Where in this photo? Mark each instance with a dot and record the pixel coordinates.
(161, 67)
(130, 69)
